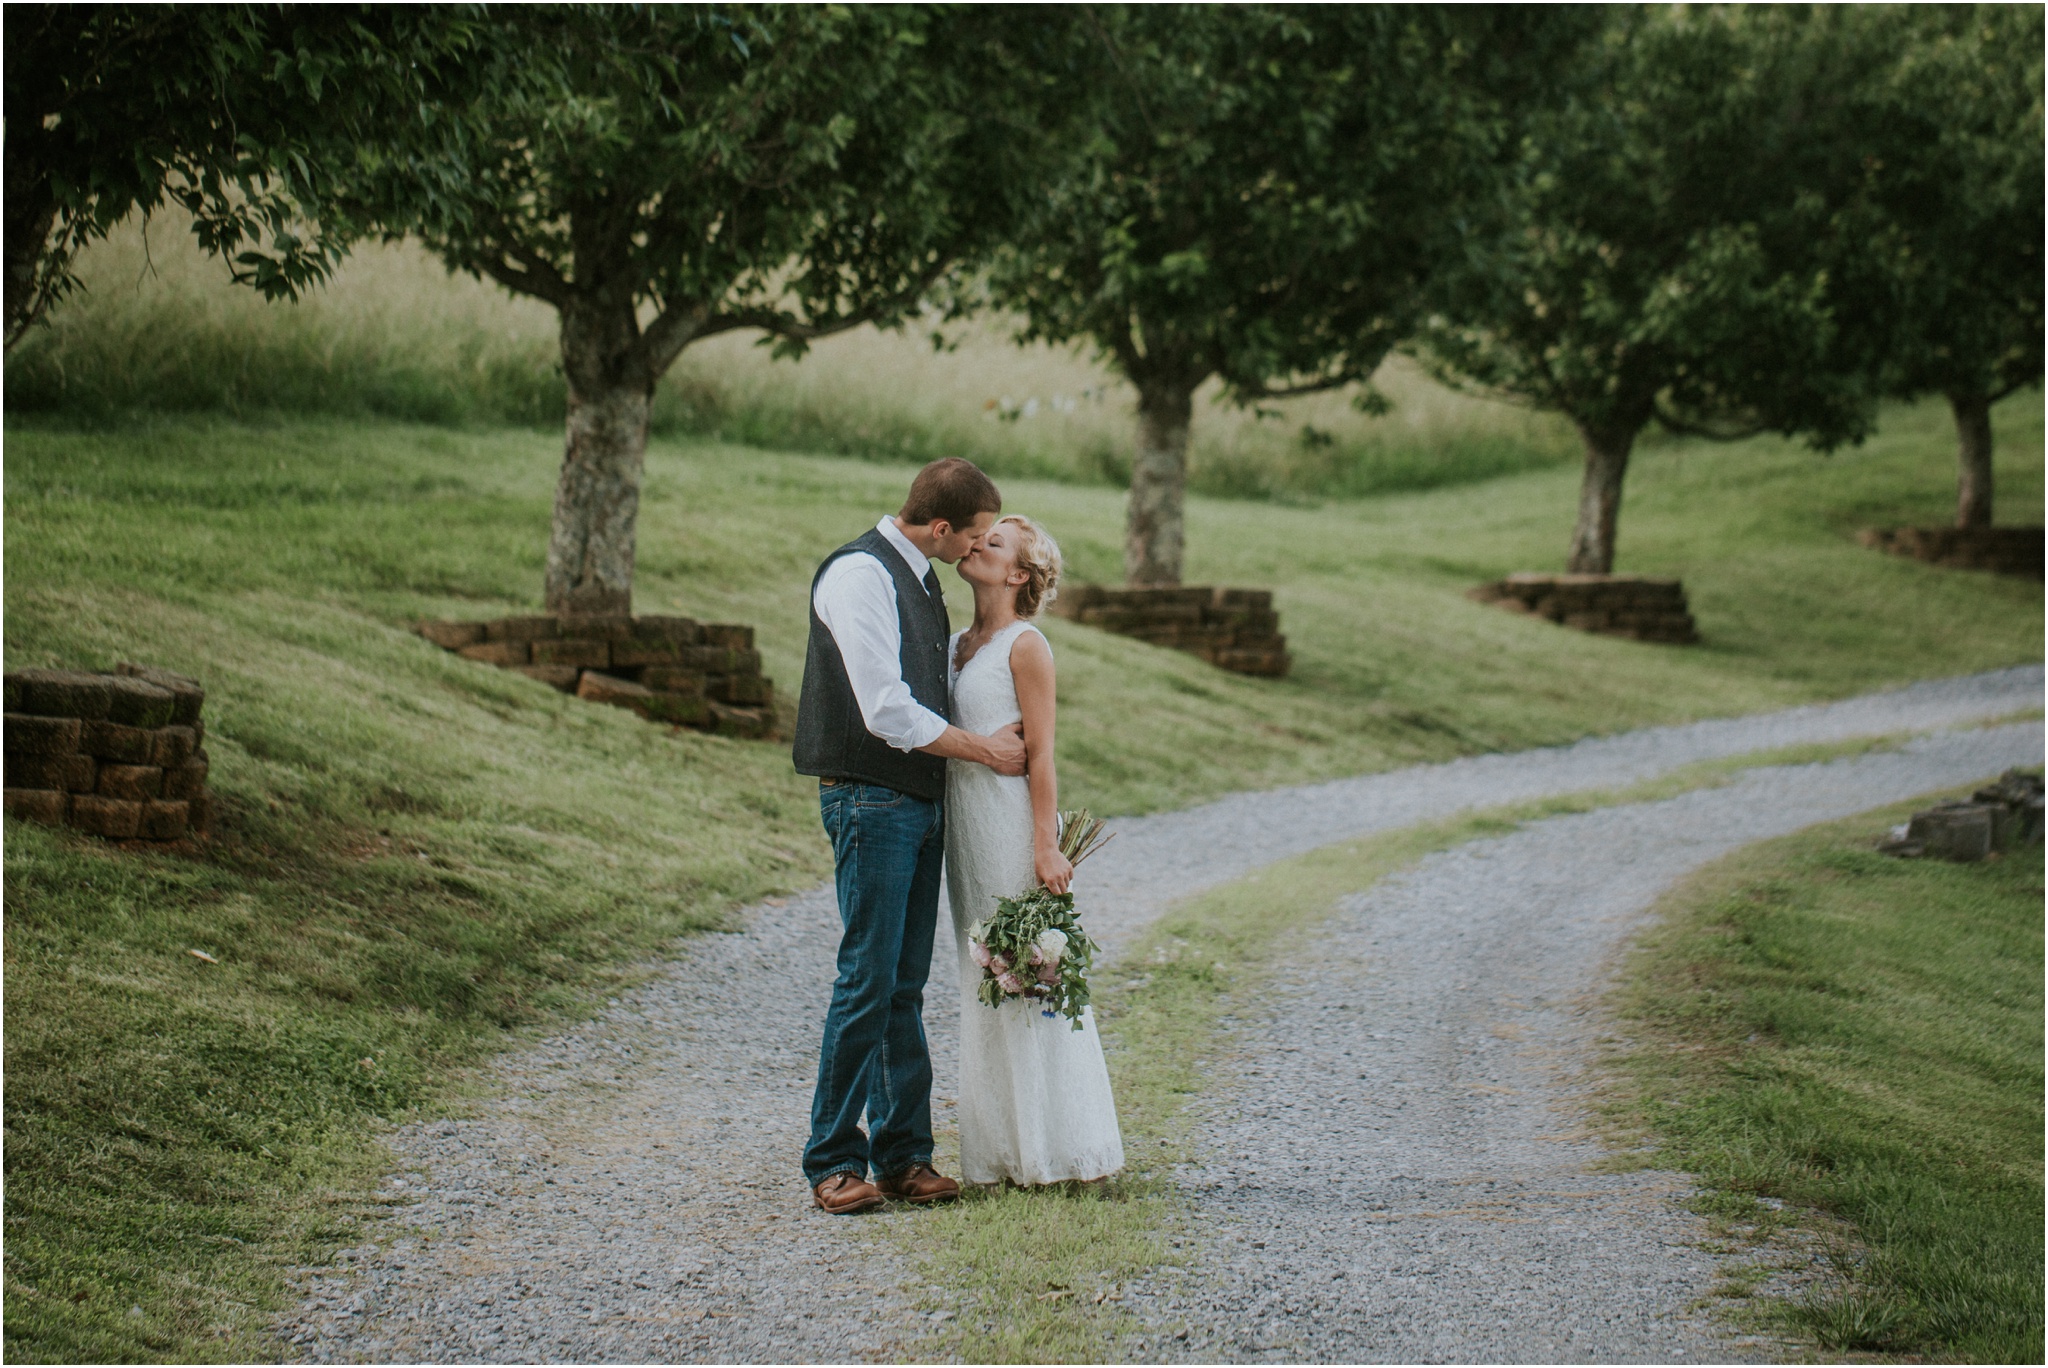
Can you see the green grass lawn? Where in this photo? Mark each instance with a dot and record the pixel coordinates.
(1861, 1036)
(417, 854)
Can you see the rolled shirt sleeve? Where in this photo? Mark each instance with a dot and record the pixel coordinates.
(856, 600)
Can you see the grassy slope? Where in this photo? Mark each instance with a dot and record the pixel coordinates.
(417, 852)
(159, 328)
(1393, 665)
(1862, 1035)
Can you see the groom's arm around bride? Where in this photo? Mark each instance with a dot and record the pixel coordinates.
(873, 727)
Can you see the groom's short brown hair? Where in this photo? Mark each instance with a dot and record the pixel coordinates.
(953, 489)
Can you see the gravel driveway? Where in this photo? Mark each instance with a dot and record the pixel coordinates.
(630, 1192)
(1402, 1174)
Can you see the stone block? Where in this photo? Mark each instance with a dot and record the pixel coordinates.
(190, 695)
(1243, 619)
(199, 810)
(116, 819)
(115, 742)
(561, 677)
(683, 710)
(164, 821)
(720, 660)
(596, 627)
(732, 635)
(619, 693)
(499, 653)
(744, 723)
(522, 629)
(1637, 607)
(172, 746)
(680, 630)
(450, 635)
(1257, 599)
(1075, 599)
(187, 780)
(59, 693)
(72, 773)
(1271, 664)
(1960, 831)
(135, 783)
(29, 735)
(634, 655)
(48, 806)
(751, 690)
(674, 679)
(2004, 550)
(138, 703)
(581, 652)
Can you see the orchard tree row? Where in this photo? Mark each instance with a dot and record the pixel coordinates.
(1724, 221)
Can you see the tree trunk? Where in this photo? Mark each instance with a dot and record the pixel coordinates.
(1607, 452)
(1973, 459)
(31, 214)
(1155, 517)
(597, 498)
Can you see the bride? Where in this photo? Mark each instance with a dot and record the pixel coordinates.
(1035, 1105)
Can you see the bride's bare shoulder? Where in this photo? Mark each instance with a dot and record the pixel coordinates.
(1030, 645)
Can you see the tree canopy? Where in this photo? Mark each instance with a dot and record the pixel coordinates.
(1260, 197)
(1666, 252)
(664, 174)
(233, 112)
(1949, 132)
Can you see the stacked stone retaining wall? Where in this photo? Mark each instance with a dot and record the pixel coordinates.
(1638, 607)
(1233, 629)
(119, 755)
(2003, 550)
(705, 675)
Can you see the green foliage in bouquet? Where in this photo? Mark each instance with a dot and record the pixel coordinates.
(1033, 947)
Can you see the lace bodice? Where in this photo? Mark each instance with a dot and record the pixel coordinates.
(985, 692)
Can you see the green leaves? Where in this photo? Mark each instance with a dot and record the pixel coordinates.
(1671, 245)
(1026, 934)
(238, 113)
(1258, 193)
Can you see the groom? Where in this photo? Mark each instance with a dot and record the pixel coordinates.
(872, 726)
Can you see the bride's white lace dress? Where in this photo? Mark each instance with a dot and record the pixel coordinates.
(1034, 1093)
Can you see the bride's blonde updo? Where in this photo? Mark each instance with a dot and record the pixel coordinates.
(1038, 556)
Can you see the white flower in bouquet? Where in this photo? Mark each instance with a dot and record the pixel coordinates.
(1034, 947)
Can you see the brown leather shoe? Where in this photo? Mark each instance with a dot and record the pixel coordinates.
(919, 1183)
(842, 1194)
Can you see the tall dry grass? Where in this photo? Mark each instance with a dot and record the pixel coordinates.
(160, 328)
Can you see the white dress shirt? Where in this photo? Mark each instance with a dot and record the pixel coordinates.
(856, 600)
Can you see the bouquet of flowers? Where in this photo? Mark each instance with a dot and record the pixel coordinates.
(1034, 947)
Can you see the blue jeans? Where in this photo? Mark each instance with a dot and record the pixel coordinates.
(887, 848)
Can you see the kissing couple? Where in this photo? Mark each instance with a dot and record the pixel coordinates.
(934, 749)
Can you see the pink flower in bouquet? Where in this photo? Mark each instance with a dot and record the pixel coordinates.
(1035, 957)
(1011, 983)
(979, 952)
(997, 964)
(1049, 973)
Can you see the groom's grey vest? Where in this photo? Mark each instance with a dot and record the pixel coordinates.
(832, 741)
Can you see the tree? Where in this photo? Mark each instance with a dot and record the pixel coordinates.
(231, 111)
(1950, 132)
(660, 175)
(1665, 255)
(1264, 193)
